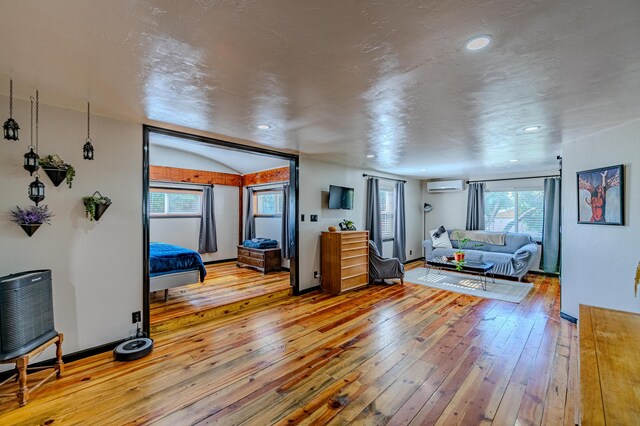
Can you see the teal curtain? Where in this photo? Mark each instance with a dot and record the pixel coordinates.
(550, 261)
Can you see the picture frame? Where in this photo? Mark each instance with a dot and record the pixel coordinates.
(601, 196)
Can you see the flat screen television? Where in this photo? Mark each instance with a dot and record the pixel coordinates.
(340, 197)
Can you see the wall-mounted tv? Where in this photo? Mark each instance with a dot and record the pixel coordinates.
(340, 197)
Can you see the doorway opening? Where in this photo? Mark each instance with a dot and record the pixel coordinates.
(220, 228)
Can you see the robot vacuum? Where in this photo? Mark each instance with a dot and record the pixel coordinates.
(135, 348)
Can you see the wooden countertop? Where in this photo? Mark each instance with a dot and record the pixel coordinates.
(609, 366)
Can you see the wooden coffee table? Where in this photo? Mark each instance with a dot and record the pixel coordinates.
(482, 269)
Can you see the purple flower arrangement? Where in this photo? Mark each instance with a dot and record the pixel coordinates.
(31, 215)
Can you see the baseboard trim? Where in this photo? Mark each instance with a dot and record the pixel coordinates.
(414, 260)
(213, 262)
(568, 317)
(544, 274)
(307, 290)
(74, 356)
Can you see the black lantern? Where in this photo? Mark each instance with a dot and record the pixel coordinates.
(87, 150)
(31, 161)
(11, 129)
(11, 126)
(36, 191)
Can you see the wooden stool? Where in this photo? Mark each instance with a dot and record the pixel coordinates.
(22, 365)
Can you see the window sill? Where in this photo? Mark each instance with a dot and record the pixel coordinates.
(176, 217)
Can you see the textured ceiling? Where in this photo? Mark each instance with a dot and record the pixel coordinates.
(340, 79)
(239, 161)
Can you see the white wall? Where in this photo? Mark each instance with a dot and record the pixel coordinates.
(185, 232)
(315, 178)
(167, 157)
(97, 266)
(599, 262)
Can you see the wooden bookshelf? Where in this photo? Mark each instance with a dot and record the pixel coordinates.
(344, 261)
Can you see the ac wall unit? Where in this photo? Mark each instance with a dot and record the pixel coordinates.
(445, 186)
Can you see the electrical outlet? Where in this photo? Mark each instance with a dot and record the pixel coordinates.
(410, 252)
(136, 317)
(314, 218)
(315, 274)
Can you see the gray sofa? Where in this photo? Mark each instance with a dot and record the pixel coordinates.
(514, 259)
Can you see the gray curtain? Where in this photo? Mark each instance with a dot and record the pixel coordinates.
(208, 242)
(285, 223)
(373, 222)
(400, 228)
(249, 220)
(475, 207)
(550, 261)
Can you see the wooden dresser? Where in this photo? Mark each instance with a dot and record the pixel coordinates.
(609, 367)
(263, 260)
(344, 261)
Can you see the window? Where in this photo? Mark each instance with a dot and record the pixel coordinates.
(170, 202)
(386, 212)
(514, 211)
(268, 203)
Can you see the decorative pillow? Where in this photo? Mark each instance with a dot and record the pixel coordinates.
(440, 238)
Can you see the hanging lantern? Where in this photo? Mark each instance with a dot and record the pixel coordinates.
(87, 149)
(31, 158)
(36, 190)
(11, 126)
(31, 161)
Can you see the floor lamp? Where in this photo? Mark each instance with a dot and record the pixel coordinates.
(426, 208)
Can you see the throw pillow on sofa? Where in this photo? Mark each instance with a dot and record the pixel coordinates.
(440, 238)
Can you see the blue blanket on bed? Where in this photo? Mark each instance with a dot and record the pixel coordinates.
(260, 243)
(166, 259)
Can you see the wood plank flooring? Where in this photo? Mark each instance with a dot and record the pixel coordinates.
(226, 289)
(392, 355)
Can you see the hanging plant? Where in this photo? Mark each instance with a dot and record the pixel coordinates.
(31, 218)
(57, 169)
(96, 205)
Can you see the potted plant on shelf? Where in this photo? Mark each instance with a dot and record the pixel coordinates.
(96, 205)
(31, 218)
(57, 169)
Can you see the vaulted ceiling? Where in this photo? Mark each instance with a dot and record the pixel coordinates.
(339, 80)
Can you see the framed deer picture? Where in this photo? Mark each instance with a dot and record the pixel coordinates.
(601, 196)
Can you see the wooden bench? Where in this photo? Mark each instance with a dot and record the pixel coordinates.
(22, 365)
(609, 366)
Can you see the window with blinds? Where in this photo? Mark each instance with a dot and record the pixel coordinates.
(386, 212)
(268, 203)
(514, 211)
(170, 202)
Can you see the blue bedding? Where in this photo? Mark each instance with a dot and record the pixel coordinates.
(167, 259)
(260, 243)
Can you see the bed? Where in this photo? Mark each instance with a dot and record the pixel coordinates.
(173, 266)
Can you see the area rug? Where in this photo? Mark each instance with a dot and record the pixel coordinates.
(509, 291)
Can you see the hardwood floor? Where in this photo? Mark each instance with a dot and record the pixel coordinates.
(381, 355)
(226, 289)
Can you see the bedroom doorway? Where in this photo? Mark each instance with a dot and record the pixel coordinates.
(220, 227)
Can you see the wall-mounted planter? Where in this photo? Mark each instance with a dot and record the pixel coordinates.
(96, 205)
(30, 228)
(56, 174)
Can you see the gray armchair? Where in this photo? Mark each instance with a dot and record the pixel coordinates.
(381, 268)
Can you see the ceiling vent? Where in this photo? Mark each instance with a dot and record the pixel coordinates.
(445, 186)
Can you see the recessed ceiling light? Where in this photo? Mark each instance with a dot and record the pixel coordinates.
(531, 129)
(513, 161)
(370, 156)
(477, 43)
(263, 126)
(423, 170)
